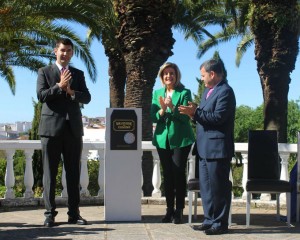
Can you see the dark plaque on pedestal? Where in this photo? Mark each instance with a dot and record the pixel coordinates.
(123, 130)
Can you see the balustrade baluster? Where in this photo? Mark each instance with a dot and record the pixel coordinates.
(28, 176)
(9, 175)
(84, 175)
(156, 178)
(101, 174)
(284, 175)
(245, 174)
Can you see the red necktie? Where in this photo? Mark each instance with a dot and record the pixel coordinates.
(209, 92)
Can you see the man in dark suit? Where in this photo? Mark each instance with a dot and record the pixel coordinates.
(215, 144)
(61, 88)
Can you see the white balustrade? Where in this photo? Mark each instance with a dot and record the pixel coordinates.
(156, 178)
(84, 175)
(245, 174)
(101, 174)
(30, 145)
(28, 175)
(9, 175)
(284, 171)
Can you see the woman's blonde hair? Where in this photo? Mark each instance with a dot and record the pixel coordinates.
(177, 73)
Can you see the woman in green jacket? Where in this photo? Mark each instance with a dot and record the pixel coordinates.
(173, 137)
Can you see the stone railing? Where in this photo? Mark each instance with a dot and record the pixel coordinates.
(28, 146)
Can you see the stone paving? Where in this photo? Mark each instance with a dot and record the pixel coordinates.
(27, 224)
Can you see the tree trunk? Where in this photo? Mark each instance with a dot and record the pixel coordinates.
(146, 41)
(116, 69)
(117, 80)
(276, 50)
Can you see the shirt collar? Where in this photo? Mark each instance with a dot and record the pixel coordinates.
(215, 85)
(60, 66)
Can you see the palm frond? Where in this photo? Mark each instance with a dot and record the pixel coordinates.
(7, 74)
(222, 36)
(29, 28)
(244, 44)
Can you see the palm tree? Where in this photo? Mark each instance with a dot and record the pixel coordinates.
(273, 26)
(107, 35)
(28, 31)
(146, 41)
(276, 36)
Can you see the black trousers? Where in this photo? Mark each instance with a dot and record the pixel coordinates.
(173, 162)
(54, 149)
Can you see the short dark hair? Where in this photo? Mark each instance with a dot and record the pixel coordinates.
(213, 65)
(64, 41)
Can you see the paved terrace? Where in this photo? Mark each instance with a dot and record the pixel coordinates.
(26, 223)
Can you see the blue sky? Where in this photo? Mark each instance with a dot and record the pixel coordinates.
(244, 80)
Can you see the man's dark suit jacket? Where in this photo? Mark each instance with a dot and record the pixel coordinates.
(215, 123)
(57, 104)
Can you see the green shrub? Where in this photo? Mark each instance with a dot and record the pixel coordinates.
(38, 191)
(237, 175)
(2, 171)
(2, 191)
(59, 187)
(19, 170)
(93, 169)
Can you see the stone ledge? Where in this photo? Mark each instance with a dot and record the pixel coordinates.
(60, 201)
(237, 202)
(35, 202)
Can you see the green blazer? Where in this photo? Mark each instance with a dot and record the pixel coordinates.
(173, 126)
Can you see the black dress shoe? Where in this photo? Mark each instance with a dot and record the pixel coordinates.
(216, 231)
(178, 216)
(77, 220)
(49, 222)
(168, 218)
(201, 227)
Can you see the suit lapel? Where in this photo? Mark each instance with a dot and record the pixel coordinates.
(161, 92)
(175, 97)
(205, 101)
(73, 74)
(55, 73)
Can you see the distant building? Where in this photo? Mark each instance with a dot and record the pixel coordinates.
(8, 135)
(94, 129)
(85, 121)
(94, 133)
(23, 126)
(8, 131)
(100, 121)
(3, 135)
(19, 127)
